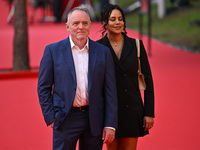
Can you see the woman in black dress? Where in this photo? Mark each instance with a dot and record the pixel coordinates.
(135, 118)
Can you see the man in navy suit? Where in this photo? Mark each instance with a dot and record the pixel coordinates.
(77, 89)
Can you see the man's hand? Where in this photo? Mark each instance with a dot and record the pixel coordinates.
(108, 135)
(148, 123)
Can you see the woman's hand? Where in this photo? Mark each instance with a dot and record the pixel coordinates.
(148, 122)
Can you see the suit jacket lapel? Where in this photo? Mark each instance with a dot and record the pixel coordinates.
(117, 62)
(92, 63)
(68, 58)
(127, 48)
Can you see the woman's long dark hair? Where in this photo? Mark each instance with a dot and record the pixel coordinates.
(105, 14)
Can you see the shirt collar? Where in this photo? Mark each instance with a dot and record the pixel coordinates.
(73, 45)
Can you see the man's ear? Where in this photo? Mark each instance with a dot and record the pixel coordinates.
(67, 27)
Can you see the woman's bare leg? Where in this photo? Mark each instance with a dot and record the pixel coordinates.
(128, 143)
(114, 145)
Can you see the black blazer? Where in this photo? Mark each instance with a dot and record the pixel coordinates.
(126, 69)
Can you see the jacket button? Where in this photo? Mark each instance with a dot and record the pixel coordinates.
(126, 106)
(125, 91)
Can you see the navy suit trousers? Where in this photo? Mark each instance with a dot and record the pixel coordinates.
(76, 127)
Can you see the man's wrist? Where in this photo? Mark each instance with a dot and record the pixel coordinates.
(112, 128)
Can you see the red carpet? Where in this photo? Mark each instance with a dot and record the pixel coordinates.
(176, 79)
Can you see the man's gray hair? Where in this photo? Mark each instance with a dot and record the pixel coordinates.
(77, 8)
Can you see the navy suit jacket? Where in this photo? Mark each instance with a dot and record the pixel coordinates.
(57, 85)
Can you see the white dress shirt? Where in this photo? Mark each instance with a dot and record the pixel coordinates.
(80, 57)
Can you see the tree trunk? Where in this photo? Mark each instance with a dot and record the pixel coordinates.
(21, 57)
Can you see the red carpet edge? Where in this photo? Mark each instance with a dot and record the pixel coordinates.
(19, 74)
